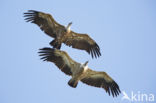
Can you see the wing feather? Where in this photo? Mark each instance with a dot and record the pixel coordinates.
(101, 80)
(59, 58)
(83, 42)
(45, 21)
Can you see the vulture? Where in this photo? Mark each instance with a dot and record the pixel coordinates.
(62, 34)
(79, 72)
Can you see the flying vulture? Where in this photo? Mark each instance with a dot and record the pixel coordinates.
(62, 34)
(79, 72)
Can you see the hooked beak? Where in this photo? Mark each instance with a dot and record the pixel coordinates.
(70, 24)
(86, 63)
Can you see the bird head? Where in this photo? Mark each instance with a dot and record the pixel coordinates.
(86, 63)
(70, 24)
(85, 66)
(68, 27)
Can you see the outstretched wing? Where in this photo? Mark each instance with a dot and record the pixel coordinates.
(45, 21)
(83, 42)
(59, 58)
(101, 80)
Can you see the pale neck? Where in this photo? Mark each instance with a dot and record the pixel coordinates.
(68, 28)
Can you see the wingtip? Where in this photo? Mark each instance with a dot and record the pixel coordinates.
(45, 53)
(46, 48)
(115, 89)
(112, 89)
(95, 51)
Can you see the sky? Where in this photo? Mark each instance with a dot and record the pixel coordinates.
(125, 30)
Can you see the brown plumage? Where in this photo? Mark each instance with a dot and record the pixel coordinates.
(62, 34)
(79, 72)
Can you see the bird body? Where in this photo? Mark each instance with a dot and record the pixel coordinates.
(79, 72)
(62, 34)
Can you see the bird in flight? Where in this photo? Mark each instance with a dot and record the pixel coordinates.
(62, 34)
(79, 72)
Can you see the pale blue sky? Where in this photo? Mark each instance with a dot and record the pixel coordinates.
(124, 29)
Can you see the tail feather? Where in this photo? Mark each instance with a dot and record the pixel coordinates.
(73, 83)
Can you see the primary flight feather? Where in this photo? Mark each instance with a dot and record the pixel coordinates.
(62, 34)
(79, 72)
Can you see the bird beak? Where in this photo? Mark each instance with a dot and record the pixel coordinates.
(86, 63)
(70, 23)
